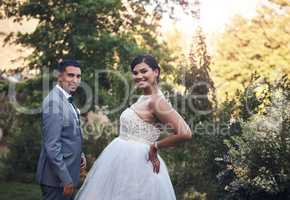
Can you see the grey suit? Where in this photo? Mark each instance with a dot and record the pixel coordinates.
(60, 157)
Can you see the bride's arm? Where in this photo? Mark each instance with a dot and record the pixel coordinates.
(168, 116)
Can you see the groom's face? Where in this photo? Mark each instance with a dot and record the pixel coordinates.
(70, 79)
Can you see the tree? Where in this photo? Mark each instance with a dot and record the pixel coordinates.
(102, 35)
(257, 155)
(193, 167)
(198, 81)
(259, 44)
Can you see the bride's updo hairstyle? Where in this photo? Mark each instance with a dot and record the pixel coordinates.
(147, 59)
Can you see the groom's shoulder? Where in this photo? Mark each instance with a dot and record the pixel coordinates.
(52, 96)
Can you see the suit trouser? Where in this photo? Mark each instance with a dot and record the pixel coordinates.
(53, 193)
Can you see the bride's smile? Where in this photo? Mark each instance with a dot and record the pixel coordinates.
(144, 76)
(130, 167)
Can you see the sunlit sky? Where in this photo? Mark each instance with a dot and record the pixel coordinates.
(214, 15)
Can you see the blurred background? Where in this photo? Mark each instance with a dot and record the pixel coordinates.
(225, 67)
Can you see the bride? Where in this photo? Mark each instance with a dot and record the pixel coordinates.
(130, 168)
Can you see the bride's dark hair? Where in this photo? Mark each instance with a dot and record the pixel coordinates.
(149, 60)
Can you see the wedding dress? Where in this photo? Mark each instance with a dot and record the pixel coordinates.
(122, 171)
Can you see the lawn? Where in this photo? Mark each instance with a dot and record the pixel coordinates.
(19, 191)
(15, 190)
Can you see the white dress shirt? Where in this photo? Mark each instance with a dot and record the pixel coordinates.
(67, 95)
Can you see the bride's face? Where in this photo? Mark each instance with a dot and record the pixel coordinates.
(144, 76)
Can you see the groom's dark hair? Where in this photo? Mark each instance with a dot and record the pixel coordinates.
(68, 62)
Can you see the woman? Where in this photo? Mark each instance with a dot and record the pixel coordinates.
(130, 168)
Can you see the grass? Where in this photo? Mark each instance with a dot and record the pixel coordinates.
(19, 191)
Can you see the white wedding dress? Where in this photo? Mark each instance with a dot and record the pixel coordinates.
(122, 171)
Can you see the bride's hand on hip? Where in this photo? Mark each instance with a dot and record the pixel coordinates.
(153, 158)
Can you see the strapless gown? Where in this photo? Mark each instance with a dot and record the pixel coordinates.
(122, 171)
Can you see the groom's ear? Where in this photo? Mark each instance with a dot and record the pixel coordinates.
(58, 75)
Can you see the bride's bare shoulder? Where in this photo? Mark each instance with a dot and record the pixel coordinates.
(159, 102)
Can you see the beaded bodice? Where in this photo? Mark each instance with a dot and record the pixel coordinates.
(133, 127)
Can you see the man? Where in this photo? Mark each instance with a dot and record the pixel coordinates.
(61, 158)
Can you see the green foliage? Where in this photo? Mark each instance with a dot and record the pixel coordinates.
(258, 155)
(249, 132)
(260, 44)
(21, 130)
(192, 165)
(102, 35)
(6, 110)
(194, 196)
(22, 97)
(24, 147)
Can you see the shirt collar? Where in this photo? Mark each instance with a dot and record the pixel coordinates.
(65, 93)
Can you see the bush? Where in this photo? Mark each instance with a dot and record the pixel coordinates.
(24, 147)
(258, 157)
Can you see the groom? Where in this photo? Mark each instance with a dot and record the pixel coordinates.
(61, 157)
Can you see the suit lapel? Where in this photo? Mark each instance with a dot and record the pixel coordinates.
(67, 108)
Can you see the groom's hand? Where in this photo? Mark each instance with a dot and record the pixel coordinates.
(83, 163)
(68, 190)
(83, 166)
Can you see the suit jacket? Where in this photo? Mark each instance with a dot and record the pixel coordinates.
(61, 148)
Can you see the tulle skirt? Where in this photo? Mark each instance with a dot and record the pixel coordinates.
(122, 172)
